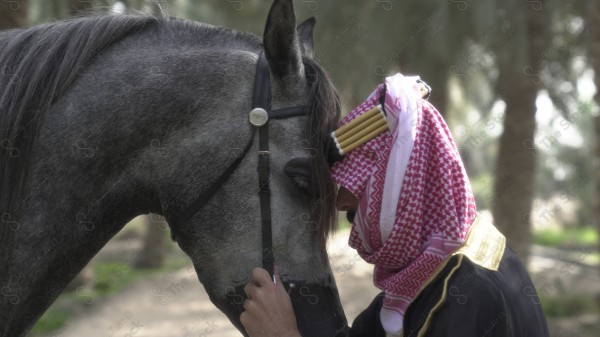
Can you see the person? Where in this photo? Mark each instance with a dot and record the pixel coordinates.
(442, 269)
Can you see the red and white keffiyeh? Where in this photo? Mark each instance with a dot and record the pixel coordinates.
(415, 200)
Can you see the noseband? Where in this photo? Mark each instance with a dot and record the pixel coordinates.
(259, 117)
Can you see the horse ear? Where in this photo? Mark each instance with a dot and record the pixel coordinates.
(280, 40)
(305, 36)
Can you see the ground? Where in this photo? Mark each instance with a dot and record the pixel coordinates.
(175, 303)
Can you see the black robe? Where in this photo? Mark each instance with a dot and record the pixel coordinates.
(475, 302)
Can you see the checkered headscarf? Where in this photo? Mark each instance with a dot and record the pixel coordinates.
(415, 201)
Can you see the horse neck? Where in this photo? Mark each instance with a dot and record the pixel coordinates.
(117, 153)
(68, 212)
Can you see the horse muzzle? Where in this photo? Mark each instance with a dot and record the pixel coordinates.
(317, 308)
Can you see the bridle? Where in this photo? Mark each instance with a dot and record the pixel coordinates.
(259, 117)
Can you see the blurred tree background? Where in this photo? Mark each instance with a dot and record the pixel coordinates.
(515, 79)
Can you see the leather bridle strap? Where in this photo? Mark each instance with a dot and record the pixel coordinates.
(261, 99)
(195, 206)
(259, 117)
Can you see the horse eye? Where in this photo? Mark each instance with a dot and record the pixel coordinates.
(299, 170)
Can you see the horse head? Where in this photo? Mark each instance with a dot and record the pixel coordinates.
(223, 238)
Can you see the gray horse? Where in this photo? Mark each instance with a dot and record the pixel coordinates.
(107, 117)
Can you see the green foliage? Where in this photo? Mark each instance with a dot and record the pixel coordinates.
(565, 306)
(113, 276)
(51, 321)
(566, 237)
(342, 222)
(110, 278)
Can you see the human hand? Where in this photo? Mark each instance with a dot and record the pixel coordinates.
(269, 309)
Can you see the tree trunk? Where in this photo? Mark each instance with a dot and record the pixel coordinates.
(515, 166)
(593, 51)
(431, 66)
(152, 254)
(438, 81)
(432, 73)
(13, 14)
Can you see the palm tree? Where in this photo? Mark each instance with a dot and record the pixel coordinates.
(519, 82)
(153, 251)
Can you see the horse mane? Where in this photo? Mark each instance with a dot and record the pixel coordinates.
(324, 114)
(192, 32)
(37, 66)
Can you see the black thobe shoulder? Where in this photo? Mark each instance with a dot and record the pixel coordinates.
(467, 300)
(475, 301)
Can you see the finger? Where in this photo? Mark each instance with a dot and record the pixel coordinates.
(249, 323)
(249, 305)
(277, 274)
(261, 277)
(250, 289)
(245, 319)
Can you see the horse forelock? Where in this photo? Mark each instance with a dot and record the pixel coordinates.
(324, 113)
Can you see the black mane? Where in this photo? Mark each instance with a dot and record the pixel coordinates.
(37, 65)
